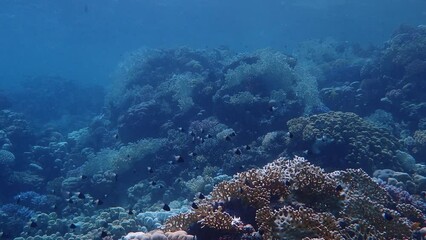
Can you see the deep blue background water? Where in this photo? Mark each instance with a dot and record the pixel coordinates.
(84, 40)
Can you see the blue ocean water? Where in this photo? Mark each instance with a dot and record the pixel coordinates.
(292, 119)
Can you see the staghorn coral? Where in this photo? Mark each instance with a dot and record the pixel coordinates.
(276, 202)
(345, 139)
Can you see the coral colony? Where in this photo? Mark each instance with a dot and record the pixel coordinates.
(327, 143)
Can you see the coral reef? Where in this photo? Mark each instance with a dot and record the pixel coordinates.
(393, 81)
(120, 161)
(293, 199)
(181, 121)
(6, 158)
(13, 218)
(254, 83)
(159, 235)
(156, 84)
(115, 222)
(343, 140)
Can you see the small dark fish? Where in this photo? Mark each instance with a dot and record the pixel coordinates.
(181, 129)
(272, 108)
(54, 207)
(179, 159)
(247, 147)
(98, 202)
(53, 191)
(83, 177)
(116, 136)
(208, 136)
(201, 196)
(18, 200)
(153, 183)
(192, 154)
(73, 226)
(70, 201)
(150, 170)
(387, 216)
(290, 135)
(116, 177)
(237, 151)
(202, 130)
(201, 140)
(130, 212)
(81, 195)
(232, 134)
(248, 183)
(288, 183)
(307, 152)
(194, 205)
(339, 188)
(33, 224)
(104, 234)
(166, 207)
(343, 224)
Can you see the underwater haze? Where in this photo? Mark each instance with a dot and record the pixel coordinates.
(212, 120)
(83, 40)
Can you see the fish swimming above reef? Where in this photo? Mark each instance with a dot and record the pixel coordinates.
(179, 159)
(166, 207)
(201, 196)
(33, 224)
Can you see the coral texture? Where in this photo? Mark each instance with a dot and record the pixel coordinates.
(293, 199)
(345, 139)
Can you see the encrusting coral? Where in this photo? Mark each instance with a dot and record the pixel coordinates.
(293, 199)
